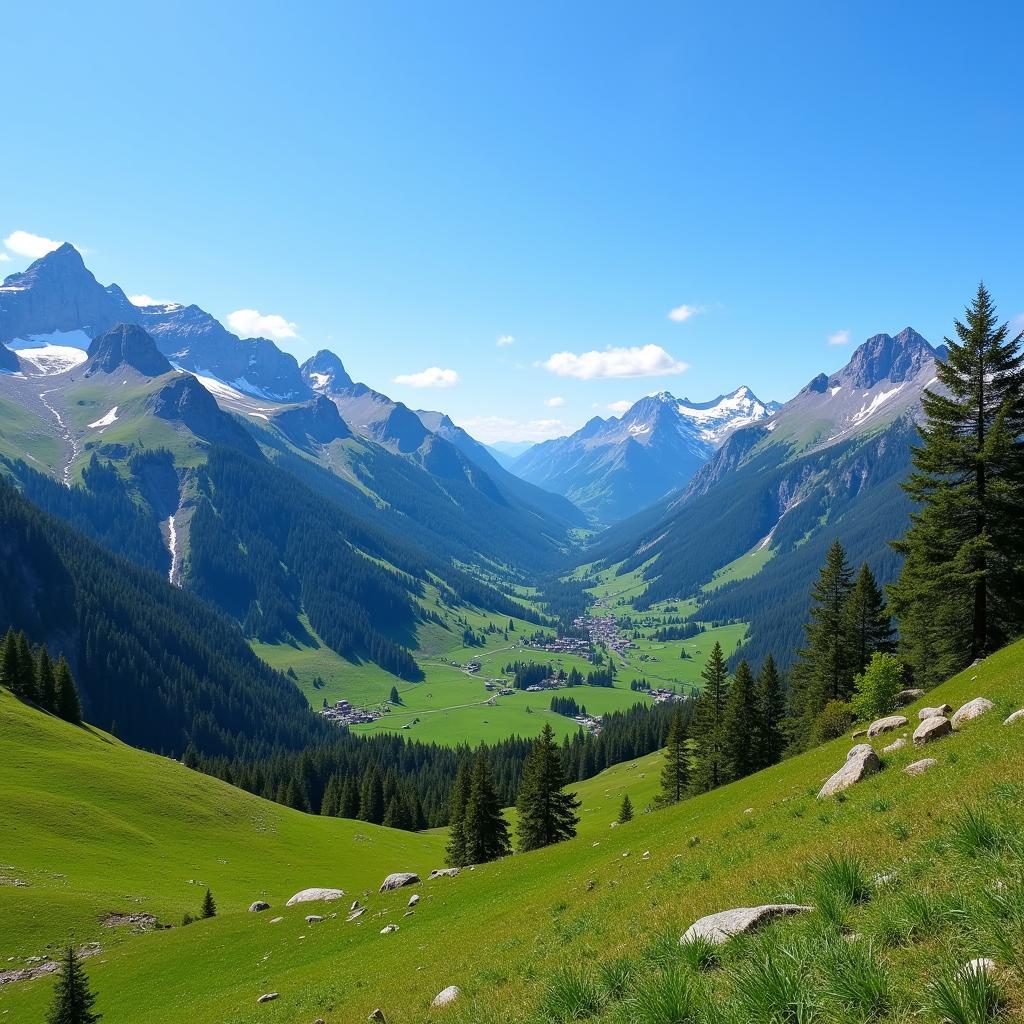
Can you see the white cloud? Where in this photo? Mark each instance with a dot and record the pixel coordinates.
(637, 361)
(680, 314)
(839, 338)
(4, 258)
(504, 340)
(146, 300)
(499, 428)
(431, 377)
(24, 243)
(251, 323)
(555, 402)
(619, 407)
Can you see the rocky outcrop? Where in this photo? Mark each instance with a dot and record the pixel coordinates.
(719, 928)
(389, 929)
(312, 895)
(898, 744)
(258, 906)
(443, 873)
(887, 724)
(932, 729)
(184, 400)
(971, 710)
(125, 347)
(920, 767)
(316, 422)
(940, 712)
(861, 762)
(398, 880)
(909, 696)
(325, 373)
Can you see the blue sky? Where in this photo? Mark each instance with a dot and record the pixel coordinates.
(409, 183)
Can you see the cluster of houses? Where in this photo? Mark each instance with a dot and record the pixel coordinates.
(342, 713)
(663, 695)
(599, 629)
(592, 723)
(500, 686)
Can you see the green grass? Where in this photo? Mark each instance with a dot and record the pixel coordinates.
(91, 824)
(25, 436)
(742, 568)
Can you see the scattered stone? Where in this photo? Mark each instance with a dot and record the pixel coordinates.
(276, 920)
(311, 895)
(444, 873)
(409, 913)
(748, 810)
(932, 729)
(313, 919)
(398, 879)
(980, 965)
(909, 696)
(920, 767)
(414, 899)
(1015, 717)
(355, 905)
(894, 746)
(446, 997)
(388, 929)
(625, 853)
(258, 906)
(591, 884)
(971, 710)
(138, 922)
(647, 855)
(887, 724)
(377, 1016)
(267, 997)
(939, 712)
(356, 913)
(719, 928)
(861, 762)
(614, 824)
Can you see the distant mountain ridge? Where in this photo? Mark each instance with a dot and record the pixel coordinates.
(612, 468)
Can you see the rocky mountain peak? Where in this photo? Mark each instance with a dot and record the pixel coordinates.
(126, 345)
(317, 420)
(325, 372)
(883, 357)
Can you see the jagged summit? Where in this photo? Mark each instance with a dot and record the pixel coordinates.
(126, 345)
(325, 372)
(316, 421)
(883, 357)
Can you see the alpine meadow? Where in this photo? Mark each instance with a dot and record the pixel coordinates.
(497, 555)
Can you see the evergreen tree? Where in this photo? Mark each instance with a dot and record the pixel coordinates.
(46, 682)
(24, 675)
(742, 724)
(625, 810)
(456, 850)
(209, 907)
(710, 767)
(349, 806)
(330, 806)
(67, 704)
(771, 706)
(72, 1000)
(296, 796)
(824, 668)
(395, 698)
(9, 660)
(484, 827)
(397, 813)
(546, 814)
(371, 797)
(960, 594)
(868, 620)
(675, 773)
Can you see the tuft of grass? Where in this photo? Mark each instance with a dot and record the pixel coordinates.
(965, 998)
(919, 913)
(668, 997)
(857, 980)
(700, 954)
(974, 832)
(844, 877)
(775, 988)
(572, 994)
(664, 949)
(616, 976)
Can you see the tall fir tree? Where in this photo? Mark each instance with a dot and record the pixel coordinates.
(960, 593)
(72, 1000)
(546, 814)
(330, 805)
(25, 675)
(9, 661)
(371, 796)
(484, 826)
(456, 849)
(46, 681)
(349, 804)
(209, 906)
(824, 667)
(710, 765)
(67, 705)
(771, 705)
(625, 810)
(868, 620)
(675, 772)
(741, 724)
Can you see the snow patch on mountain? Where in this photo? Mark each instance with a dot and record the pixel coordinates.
(47, 360)
(104, 421)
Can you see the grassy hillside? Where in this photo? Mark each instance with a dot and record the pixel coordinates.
(514, 934)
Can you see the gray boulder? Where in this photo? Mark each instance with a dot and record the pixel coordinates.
(267, 997)
(444, 873)
(939, 712)
(388, 929)
(920, 767)
(861, 762)
(909, 696)
(971, 710)
(898, 744)
(1015, 717)
(377, 1016)
(719, 928)
(887, 724)
(398, 880)
(446, 997)
(313, 919)
(414, 899)
(258, 906)
(932, 729)
(312, 895)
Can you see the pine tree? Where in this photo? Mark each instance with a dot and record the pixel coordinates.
(771, 705)
(741, 724)
(330, 805)
(24, 675)
(67, 704)
(484, 826)
(394, 698)
(960, 594)
(710, 768)
(9, 660)
(824, 668)
(625, 809)
(675, 773)
(46, 682)
(397, 814)
(868, 620)
(456, 850)
(72, 1000)
(296, 797)
(371, 797)
(349, 806)
(546, 814)
(209, 907)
